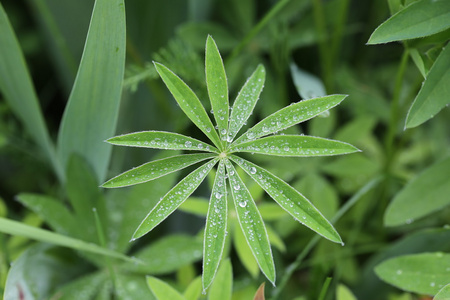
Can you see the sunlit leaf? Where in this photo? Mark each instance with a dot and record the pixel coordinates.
(195, 205)
(290, 199)
(216, 225)
(169, 203)
(295, 145)
(243, 251)
(444, 293)
(194, 290)
(155, 169)
(162, 290)
(223, 283)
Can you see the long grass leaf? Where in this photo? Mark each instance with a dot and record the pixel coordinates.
(91, 114)
(155, 169)
(290, 200)
(161, 140)
(295, 145)
(174, 198)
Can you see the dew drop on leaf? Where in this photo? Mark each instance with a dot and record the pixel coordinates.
(188, 144)
(252, 170)
(237, 187)
(243, 203)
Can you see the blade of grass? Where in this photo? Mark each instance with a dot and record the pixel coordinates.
(91, 114)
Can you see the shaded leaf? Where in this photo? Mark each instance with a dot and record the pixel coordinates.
(162, 290)
(155, 169)
(222, 286)
(131, 286)
(173, 199)
(82, 288)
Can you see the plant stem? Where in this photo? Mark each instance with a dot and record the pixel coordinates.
(324, 290)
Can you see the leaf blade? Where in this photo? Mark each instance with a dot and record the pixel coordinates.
(188, 102)
(295, 145)
(155, 169)
(162, 290)
(223, 284)
(174, 198)
(290, 200)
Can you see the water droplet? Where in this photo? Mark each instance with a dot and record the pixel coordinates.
(200, 146)
(218, 195)
(188, 144)
(237, 187)
(252, 170)
(243, 203)
(286, 148)
(399, 272)
(250, 135)
(223, 131)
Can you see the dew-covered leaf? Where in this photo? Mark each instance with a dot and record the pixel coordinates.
(444, 293)
(295, 145)
(424, 273)
(162, 290)
(189, 103)
(174, 198)
(425, 194)
(155, 169)
(251, 223)
(129, 286)
(222, 286)
(433, 96)
(167, 255)
(83, 288)
(421, 18)
(215, 230)
(289, 116)
(290, 200)
(245, 101)
(161, 140)
(216, 82)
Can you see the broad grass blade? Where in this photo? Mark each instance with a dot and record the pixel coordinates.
(216, 82)
(162, 290)
(295, 145)
(18, 91)
(290, 200)
(215, 230)
(434, 95)
(188, 102)
(245, 101)
(289, 116)
(251, 223)
(91, 114)
(155, 169)
(174, 198)
(222, 286)
(38, 234)
(161, 140)
(421, 18)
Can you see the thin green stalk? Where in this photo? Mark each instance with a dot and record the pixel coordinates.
(338, 32)
(256, 29)
(312, 243)
(324, 290)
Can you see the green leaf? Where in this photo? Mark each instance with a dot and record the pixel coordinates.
(443, 294)
(344, 293)
(91, 113)
(246, 100)
(195, 205)
(188, 102)
(215, 230)
(421, 18)
(130, 286)
(162, 290)
(194, 290)
(290, 200)
(433, 95)
(174, 198)
(18, 229)
(275, 239)
(18, 90)
(161, 140)
(83, 288)
(155, 169)
(244, 252)
(424, 273)
(308, 86)
(289, 116)
(295, 145)
(167, 255)
(216, 82)
(223, 283)
(271, 211)
(423, 195)
(251, 223)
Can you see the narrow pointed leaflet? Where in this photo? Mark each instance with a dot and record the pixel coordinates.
(290, 200)
(174, 198)
(246, 100)
(161, 140)
(215, 230)
(290, 115)
(155, 169)
(216, 82)
(188, 102)
(251, 223)
(295, 145)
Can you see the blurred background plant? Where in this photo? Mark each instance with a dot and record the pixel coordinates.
(389, 201)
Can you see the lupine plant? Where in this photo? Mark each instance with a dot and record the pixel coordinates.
(265, 137)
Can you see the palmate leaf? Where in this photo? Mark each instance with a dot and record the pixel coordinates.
(290, 199)
(295, 145)
(216, 225)
(216, 82)
(188, 102)
(174, 198)
(251, 223)
(161, 140)
(155, 169)
(289, 116)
